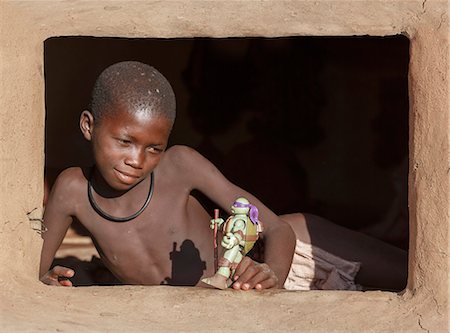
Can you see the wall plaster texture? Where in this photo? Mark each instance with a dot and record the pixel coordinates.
(27, 305)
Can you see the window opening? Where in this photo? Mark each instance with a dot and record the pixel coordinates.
(316, 124)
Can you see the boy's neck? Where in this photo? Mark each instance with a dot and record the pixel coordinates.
(103, 189)
(109, 192)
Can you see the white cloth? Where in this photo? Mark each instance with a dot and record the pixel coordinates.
(314, 268)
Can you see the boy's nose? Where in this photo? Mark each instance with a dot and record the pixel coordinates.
(135, 158)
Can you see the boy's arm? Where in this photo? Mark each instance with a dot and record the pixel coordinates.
(278, 235)
(57, 219)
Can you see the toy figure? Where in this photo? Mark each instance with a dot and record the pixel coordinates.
(240, 232)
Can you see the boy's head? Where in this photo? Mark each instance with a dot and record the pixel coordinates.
(132, 114)
(135, 86)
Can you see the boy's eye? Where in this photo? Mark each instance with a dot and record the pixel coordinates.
(124, 141)
(153, 150)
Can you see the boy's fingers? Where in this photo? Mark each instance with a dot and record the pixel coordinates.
(262, 280)
(51, 282)
(242, 278)
(266, 284)
(258, 276)
(58, 271)
(65, 283)
(58, 276)
(242, 267)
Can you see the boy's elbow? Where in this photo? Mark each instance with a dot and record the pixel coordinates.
(281, 232)
(289, 233)
(281, 227)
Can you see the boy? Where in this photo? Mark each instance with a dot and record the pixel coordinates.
(139, 201)
(136, 204)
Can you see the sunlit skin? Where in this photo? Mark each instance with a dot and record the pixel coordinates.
(127, 147)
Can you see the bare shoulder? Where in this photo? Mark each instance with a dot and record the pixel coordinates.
(182, 157)
(190, 168)
(187, 166)
(70, 180)
(178, 152)
(69, 187)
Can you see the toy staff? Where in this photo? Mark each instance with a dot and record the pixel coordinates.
(216, 250)
(240, 231)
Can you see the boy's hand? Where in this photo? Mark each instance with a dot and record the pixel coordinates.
(252, 275)
(58, 276)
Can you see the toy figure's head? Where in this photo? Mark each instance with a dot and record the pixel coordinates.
(241, 206)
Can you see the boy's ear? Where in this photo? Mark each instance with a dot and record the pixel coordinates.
(87, 124)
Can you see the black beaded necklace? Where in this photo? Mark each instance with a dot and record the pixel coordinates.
(120, 219)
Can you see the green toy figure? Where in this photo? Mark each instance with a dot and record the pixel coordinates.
(240, 232)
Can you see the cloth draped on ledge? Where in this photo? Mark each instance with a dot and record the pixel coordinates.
(313, 268)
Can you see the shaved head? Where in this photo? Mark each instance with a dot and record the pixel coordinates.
(136, 86)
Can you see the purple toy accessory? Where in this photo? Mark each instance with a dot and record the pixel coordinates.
(253, 211)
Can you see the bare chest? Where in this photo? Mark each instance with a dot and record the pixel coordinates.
(170, 242)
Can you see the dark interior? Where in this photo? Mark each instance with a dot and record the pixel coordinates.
(307, 124)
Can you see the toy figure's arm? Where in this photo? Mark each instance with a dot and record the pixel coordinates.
(218, 222)
(278, 235)
(234, 235)
(57, 220)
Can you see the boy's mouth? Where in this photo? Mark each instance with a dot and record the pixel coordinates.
(126, 177)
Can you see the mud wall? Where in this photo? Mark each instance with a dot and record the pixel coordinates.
(26, 25)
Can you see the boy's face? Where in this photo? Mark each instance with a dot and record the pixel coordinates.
(127, 146)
